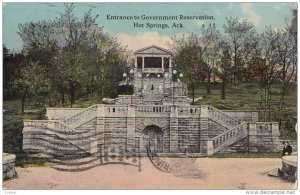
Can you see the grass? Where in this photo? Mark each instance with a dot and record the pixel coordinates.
(244, 96)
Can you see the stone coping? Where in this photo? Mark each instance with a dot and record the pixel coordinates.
(8, 158)
(290, 160)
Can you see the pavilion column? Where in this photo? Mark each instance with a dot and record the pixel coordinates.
(135, 62)
(170, 66)
(162, 63)
(143, 63)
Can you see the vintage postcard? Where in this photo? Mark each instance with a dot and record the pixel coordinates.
(141, 95)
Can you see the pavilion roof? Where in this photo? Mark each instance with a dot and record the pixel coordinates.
(153, 49)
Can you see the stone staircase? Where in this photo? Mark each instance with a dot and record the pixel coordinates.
(222, 118)
(236, 130)
(82, 117)
(47, 130)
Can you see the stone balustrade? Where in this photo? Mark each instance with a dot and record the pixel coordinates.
(222, 117)
(84, 115)
(115, 110)
(227, 138)
(153, 70)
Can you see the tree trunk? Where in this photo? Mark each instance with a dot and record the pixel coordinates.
(193, 93)
(282, 96)
(223, 96)
(50, 101)
(23, 104)
(72, 93)
(208, 83)
(63, 98)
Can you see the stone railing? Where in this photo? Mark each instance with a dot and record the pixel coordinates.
(155, 110)
(153, 70)
(188, 110)
(85, 115)
(115, 110)
(222, 118)
(227, 138)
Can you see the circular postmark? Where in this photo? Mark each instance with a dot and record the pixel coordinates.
(183, 166)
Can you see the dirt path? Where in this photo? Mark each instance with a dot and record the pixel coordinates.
(204, 173)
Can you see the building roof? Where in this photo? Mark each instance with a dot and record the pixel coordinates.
(153, 49)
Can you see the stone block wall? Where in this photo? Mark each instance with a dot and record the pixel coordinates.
(51, 145)
(9, 170)
(238, 147)
(61, 113)
(214, 129)
(263, 137)
(188, 135)
(115, 131)
(248, 116)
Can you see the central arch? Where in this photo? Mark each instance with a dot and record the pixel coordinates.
(152, 137)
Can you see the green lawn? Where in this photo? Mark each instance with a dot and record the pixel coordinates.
(244, 96)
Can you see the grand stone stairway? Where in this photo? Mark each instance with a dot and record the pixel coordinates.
(80, 134)
(235, 130)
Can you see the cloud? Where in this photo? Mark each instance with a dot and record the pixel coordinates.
(278, 6)
(138, 41)
(251, 15)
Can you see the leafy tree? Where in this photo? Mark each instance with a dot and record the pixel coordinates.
(187, 59)
(78, 57)
(242, 39)
(224, 66)
(209, 39)
(30, 82)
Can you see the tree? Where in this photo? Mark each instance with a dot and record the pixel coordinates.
(224, 66)
(30, 82)
(187, 59)
(79, 58)
(242, 39)
(210, 38)
(286, 57)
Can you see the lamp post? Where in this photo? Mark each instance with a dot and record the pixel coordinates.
(174, 79)
(128, 79)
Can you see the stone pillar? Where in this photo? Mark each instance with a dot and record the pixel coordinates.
(162, 63)
(130, 143)
(252, 137)
(203, 129)
(94, 147)
(143, 63)
(135, 62)
(170, 70)
(174, 130)
(275, 129)
(100, 130)
(50, 125)
(275, 136)
(210, 148)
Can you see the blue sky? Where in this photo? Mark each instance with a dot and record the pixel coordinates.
(261, 14)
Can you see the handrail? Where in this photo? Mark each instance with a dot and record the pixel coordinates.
(222, 116)
(234, 132)
(80, 115)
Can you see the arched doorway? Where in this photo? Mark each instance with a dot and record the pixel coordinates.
(153, 139)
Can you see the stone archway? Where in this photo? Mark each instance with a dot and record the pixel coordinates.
(152, 137)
